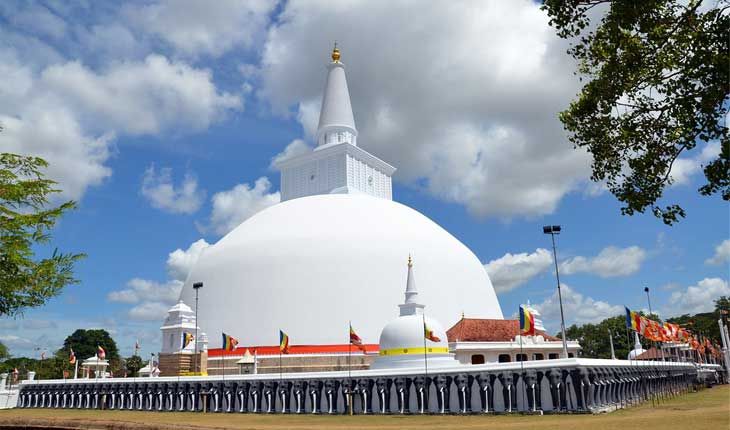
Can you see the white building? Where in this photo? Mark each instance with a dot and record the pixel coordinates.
(332, 251)
(180, 319)
(478, 341)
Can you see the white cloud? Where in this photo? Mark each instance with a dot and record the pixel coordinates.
(76, 160)
(160, 191)
(142, 290)
(141, 97)
(577, 308)
(36, 324)
(196, 28)
(462, 110)
(232, 207)
(698, 298)
(295, 148)
(70, 115)
(180, 262)
(512, 270)
(15, 342)
(149, 311)
(685, 168)
(610, 262)
(722, 254)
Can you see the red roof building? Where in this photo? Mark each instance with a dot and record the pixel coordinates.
(479, 341)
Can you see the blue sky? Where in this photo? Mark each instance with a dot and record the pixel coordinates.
(162, 119)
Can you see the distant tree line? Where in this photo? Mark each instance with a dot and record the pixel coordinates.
(84, 344)
(595, 342)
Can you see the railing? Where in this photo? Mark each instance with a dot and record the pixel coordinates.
(550, 386)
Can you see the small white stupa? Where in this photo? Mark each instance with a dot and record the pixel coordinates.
(403, 341)
(638, 350)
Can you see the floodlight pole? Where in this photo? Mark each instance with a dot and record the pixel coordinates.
(552, 230)
(196, 358)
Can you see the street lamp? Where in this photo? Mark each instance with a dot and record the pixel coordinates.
(552, 230)
(196, 286)
(646, 290)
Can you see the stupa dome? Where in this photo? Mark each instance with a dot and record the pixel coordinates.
(310, 265)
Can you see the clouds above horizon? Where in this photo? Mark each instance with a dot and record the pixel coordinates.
(577, 308)
(697, 298)
(72, 109)
(465, 128)
(722, 254)
(610, 262)
(159, 189)
(513, 270)
(234, 206)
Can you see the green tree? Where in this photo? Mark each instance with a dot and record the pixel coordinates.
(705, 323)
(595, 341)
(26, 218)
(85, 343)
(657, 85)
(4, 354)
(134, 363)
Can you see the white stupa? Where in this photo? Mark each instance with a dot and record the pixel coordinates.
(638, 350)
(332, 251)
(403, 342)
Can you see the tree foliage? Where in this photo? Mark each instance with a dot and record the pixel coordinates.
(594, 339)
(25, 221)
(657, 85)
(85, 343)
(4, 353)
(133, 364)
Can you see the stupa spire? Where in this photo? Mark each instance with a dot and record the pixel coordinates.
(336, 121)
(410, 305)
(637, 342)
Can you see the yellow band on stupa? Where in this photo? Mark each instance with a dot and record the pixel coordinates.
(409, 351)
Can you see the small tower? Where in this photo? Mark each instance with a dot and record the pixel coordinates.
(337, 165)
(410, 305)
(180, 319)
(176, 359)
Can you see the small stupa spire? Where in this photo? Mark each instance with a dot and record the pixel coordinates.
(410, 305)
(637, 342)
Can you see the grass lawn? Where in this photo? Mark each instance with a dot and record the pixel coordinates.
(709, 408)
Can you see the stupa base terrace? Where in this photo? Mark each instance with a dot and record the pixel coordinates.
(550, 386)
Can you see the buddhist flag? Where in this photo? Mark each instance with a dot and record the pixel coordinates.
(100, 352)
(186, 339)
(429, 334)
(229, 342)
(527, 322)
(355, 339)
(283, 342)
(72, 356)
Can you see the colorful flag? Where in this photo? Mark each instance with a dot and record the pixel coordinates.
(100, 352)
(186, 339)
(355, 339)
(229, 343)
(43, 355)
(527, 322)
(71, 356)
(429, 334)
(283, 342)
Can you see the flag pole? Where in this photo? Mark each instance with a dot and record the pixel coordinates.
(349, 372)
(522, 370)
(425, 366)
